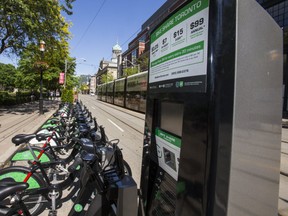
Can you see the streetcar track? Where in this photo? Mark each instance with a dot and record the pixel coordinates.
(141, 132)
(19, 125)
(137, 152)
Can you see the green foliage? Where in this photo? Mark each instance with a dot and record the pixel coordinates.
(28, 76)
(143, 61)
(68, 7)
(67, 95)
(107, 77)
(130, 71)
(23, 22)
(23, 97)
(83, 79)
(7, 77)
(29, 70)
(51, 78)
(84, 88)
(8, 99)
(4, 97)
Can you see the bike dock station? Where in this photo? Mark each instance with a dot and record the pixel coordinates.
(212, 127)
(213, 117)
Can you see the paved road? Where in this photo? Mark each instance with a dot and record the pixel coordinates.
(123, 124)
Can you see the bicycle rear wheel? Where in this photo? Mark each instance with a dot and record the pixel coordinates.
(23, 155)
(35, 202)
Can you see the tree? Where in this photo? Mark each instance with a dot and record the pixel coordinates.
(84, 88)
(143, 60)
(67, 95)
(130, 71)
(108, 77)
(52, 63)
(25, 22)
(7, 76)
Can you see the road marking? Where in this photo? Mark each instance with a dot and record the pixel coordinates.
(116, 125)
(93, 107)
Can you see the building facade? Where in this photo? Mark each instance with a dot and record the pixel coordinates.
(139, 47)
(278, 9)
(92, 84)
(109, 68)
(137, 54)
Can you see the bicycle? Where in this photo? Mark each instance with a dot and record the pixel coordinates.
(10, 195)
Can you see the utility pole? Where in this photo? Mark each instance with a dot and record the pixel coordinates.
(65, 72)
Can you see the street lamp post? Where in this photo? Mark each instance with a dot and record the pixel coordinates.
(42, 49)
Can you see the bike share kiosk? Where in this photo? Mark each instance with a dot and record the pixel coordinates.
(213, 118)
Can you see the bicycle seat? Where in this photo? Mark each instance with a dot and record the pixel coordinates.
(42, 136)
(22, 138)
(8, 187)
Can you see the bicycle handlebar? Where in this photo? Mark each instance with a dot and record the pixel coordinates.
(78, 161)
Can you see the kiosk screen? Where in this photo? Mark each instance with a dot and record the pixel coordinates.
(172, 117)
(168, 137)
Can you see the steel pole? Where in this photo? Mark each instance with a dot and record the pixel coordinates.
(41, 89)
(65, 72)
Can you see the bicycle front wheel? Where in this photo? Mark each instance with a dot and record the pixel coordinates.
(34, 202)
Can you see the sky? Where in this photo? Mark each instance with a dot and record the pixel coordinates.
(97, 25)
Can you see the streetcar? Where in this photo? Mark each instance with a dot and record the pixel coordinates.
(136, 89)
(110, 92)
(119, 92)
(128, 92)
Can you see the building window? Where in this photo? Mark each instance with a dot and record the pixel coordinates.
(279, 12)
(134, 56)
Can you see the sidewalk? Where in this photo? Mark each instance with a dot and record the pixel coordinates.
(21, 119)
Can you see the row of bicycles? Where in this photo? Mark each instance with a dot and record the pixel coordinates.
(69, 158)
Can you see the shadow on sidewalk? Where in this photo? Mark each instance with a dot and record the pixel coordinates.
(29, 108)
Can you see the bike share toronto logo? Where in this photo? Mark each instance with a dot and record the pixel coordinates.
(179, 84)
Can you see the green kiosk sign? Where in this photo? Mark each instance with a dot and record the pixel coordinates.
(178, 55)
(168, 152)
